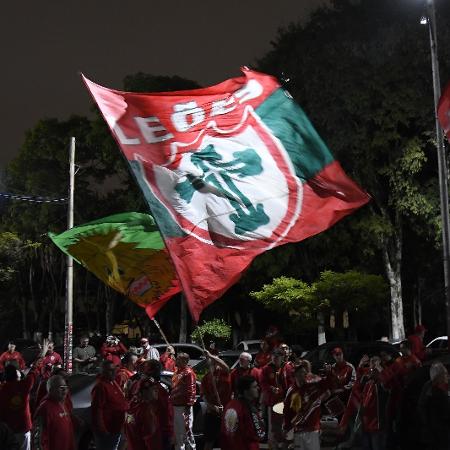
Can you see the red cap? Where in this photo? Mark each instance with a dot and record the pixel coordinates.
(336, 351)
(419, 328)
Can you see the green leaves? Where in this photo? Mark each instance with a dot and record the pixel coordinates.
(215, 328)
(352, 291)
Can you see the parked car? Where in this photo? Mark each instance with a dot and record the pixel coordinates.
(353, 352)
(438, 346)
(249, 346)
(81, 386)
(194, 351)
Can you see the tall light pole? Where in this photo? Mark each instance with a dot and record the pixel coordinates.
(442, 160)
(68, 337)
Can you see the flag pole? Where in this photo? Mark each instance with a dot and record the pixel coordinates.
(68, 335)
(160, 330)
(442, 162)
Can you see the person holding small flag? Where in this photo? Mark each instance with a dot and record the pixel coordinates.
(216, 390)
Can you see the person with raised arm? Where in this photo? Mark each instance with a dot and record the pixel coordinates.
(216, 390)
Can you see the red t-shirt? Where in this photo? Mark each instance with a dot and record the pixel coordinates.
(239, 427)
(142, 426)
(223, 386)
(108, 406)
(53, 359)
(7, 357)
(239, 372)
(167, 362)
(53, 427)
(262, 358)
(15, 403)
(113, 352)
(287, 375)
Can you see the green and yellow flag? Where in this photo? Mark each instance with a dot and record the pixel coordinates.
(126, 251)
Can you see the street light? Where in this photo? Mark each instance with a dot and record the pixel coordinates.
(430, 19)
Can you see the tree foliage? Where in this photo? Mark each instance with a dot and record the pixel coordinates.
(212, 329)
(361, 70)
(362, 295)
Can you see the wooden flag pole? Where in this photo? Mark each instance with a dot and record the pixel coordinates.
(160, 330)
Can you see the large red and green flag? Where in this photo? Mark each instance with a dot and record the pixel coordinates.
(228, 171)
(126, 252)
(444, 111)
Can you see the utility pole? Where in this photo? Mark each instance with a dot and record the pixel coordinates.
(442, 161)
(68, 336)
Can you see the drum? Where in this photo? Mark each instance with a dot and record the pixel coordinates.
(335, 406)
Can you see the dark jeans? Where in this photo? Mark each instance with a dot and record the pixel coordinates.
(374, 441)
(107, 441)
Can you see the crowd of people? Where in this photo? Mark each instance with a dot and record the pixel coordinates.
(274, 398)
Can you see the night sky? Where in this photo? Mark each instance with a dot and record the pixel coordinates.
(45, 44)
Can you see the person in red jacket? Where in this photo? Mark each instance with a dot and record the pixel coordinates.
(416, 341)
(302, 405)
(342, 375)
(126, 371)
(373, 414)
(108, 408)
(53, 425)
(287, 370)
(11, 355)
(142, 424)
(242, 424)
(183, 398)
(272, 393)
(152, 369)
(216, 390)
(112, 350)
(167, 359)
(354, 401)
(243, 369)
(263, 356)
(15, 399)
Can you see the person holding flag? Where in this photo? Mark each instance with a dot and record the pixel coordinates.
(216, 390)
